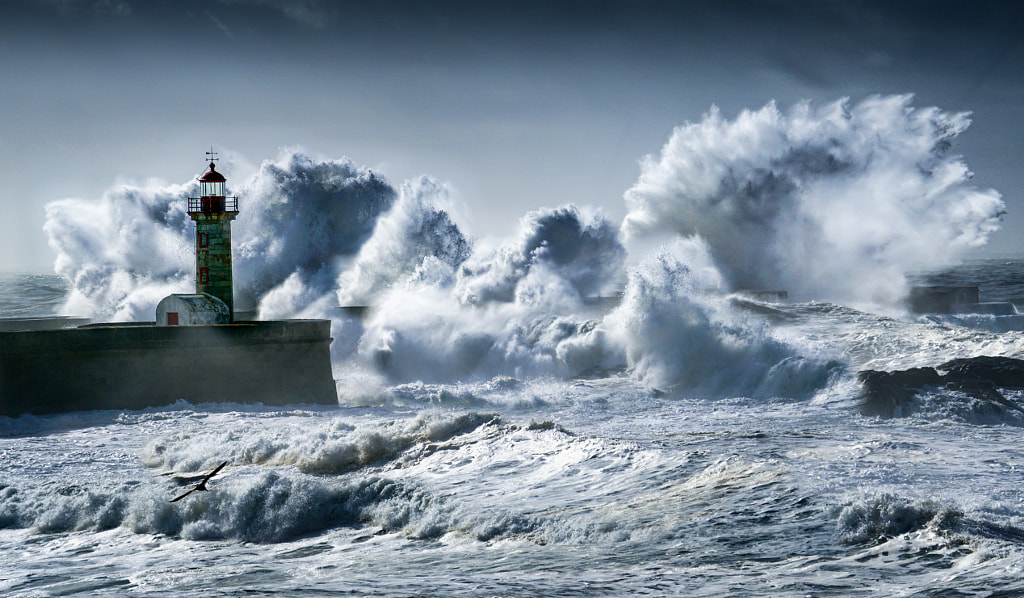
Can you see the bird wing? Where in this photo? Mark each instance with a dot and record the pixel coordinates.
(213, 473)
(183, 495)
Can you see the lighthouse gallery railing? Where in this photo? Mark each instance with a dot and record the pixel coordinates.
(213, 204)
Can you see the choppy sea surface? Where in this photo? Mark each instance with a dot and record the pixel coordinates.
(520, 485)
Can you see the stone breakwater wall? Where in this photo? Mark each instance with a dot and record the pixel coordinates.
(135, 366)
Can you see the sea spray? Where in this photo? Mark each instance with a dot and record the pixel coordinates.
(122, 253)
(679, 332)
(416, 239)
(299, 218)
(585, 252)
(516, 310)
(441, 311)
(827, 202)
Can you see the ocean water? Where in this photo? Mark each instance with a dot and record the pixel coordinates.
(727, 457)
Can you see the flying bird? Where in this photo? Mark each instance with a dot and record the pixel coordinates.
(201, 486)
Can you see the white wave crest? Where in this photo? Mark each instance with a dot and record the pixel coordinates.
(833, 202)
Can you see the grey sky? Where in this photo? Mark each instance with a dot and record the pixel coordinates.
(517, 105)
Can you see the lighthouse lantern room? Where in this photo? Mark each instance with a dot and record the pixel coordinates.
(213, 212)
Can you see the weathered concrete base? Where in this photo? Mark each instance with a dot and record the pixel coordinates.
(137, 366)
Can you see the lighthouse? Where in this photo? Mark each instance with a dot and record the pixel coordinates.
(213, 212)
(193, 350)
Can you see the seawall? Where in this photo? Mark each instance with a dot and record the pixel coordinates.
(135, 366)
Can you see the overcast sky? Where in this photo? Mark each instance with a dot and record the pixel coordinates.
(516, 105)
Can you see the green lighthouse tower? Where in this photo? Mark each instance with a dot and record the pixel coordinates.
(213, 212)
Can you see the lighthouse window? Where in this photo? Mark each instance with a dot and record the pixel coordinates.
(204, 276)
(211, 189)
(204, 239)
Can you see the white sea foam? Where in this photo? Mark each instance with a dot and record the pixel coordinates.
(991, 323)
(267, 507)
(332, 448)
(879, 517)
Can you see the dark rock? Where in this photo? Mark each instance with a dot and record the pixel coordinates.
(1005, 372)
(991, 400)
(889, 394)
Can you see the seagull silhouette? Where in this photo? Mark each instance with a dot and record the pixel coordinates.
(201, 486)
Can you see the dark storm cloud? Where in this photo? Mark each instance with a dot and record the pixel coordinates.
(596, 15)
(68, 8)
(805, 40)
(317, 14)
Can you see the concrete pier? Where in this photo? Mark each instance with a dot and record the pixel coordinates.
(132, 366)
(941, 299)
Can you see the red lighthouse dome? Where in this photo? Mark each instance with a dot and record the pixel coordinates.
(211, 184)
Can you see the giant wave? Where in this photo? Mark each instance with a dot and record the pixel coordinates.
(832, 201)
